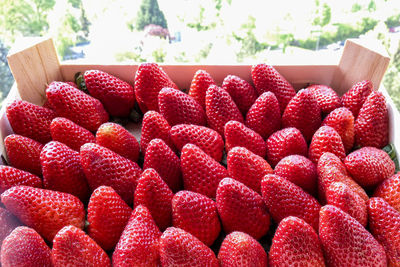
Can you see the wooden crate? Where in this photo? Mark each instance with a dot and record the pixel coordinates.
(37, 64)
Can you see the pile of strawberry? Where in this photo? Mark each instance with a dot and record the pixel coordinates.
(306, 182)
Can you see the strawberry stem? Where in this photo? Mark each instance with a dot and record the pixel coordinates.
(80, 81)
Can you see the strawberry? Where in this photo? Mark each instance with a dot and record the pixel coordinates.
(30, 120)
(139, 242)
(153, 193)
(107, 216)
(10, 177)
(200, 83)
(116, 138)
(23, 153)
(242, 93)
(163, 160)
(264, 116)
(303, 113)
(326, 139)
(236, 134)
(25, 247)
(288, 141)
(384, 223)
(369, 166)
(240, 249)
(8, 223)
(73, 247)
(372, 123)
(196, 214)
(283, 198)
(295, 243)
(154, 125)
(150, 78)
(327, 98)
(342, 120)
(300, 171)
(267, 79)
(201, 173)
(220, 109)
(44, 210)
(247, 167)
(346, 242)
(116, 95)
(356, 96)
(178, 107)
(62, 170)
(105, 167)
(73, 104)
(389, 190)
(241, 209)
(179, 248)
(205, 138)
(340, 195)
(65, 131)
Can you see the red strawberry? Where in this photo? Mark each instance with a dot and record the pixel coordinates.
(240, 249)
(295, 243)
(300, 171)
(116, 138)
(236, 134)
(342, 120)
(153, 193)
(116, 95)
(8, 223)
(179, 248)
(65, 131)
(73, 104)
(340, 195)
(201, 173)
(247, 167)
(154, 125)
(241, 209)
(267, 79)
(326, 139)
(30, 120)
(264, 116)
(242, 93)
(178, 107)
(24, 153)
(384, 223)
(105, 167)
(196, 214)
(326, 97)
(346, 242)
(150, 78)
(44, 210)
(72, 247)
(10, 177)
(372, 124)
(107, 216)
(356, 96)
(163, 160)
(303, 113)
(200, 83)
(369, 166)
(139, 242)
(389, 190)
(205, 138)
(25, 247)
(288, 141)
(220, 109)
(62, 170)
(283, 198)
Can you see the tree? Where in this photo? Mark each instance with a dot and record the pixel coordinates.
(150, 13)
(322, 14)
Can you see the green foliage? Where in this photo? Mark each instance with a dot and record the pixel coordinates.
(393, 21)
(199, 24)
(6, 77)
(159, 55)
(129, 56)
(356, 7)
(75, 3)
(150, 13)
(371, 6)
(322, 14)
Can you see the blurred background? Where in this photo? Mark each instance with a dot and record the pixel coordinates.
(201, 31)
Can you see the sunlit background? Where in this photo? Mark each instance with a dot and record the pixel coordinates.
(201, 31)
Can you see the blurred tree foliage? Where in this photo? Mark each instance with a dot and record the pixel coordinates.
(5, 74)
(150, 13)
